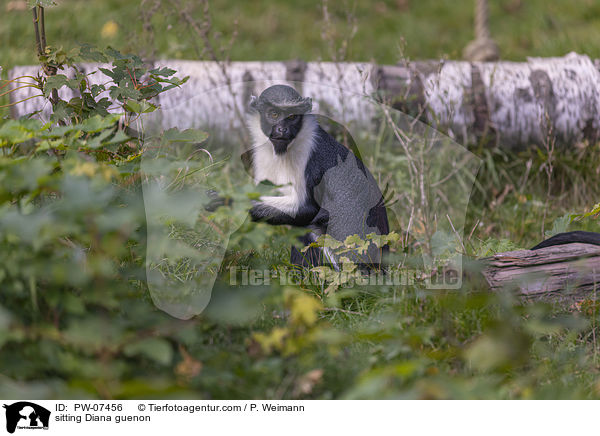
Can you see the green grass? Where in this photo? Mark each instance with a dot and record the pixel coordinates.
(284, 30)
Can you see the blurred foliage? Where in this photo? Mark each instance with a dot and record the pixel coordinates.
(76, 316)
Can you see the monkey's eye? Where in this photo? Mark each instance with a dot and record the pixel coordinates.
(273, 114)
(292, 117)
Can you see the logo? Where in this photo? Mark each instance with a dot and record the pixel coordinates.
(26, 415)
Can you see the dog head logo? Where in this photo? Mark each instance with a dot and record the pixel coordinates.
(26, 415)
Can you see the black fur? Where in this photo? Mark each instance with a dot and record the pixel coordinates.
(284, 131)
(570, 238)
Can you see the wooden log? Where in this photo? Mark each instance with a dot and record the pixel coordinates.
(513, 104)
(564, 271)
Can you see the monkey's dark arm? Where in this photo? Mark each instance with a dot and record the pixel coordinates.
(264, 212)
(274, 216)
(569, 238)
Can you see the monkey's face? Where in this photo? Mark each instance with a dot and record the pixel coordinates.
(280, 126)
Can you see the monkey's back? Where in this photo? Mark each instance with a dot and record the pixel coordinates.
(345, 192)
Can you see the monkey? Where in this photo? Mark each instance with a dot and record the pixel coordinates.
(323, 186)
(570, 238)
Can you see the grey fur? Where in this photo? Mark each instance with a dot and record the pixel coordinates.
(284, 97)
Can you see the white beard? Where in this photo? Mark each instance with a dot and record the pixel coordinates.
(286, 169)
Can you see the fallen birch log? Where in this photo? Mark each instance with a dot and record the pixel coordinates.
(513, 104)
(570, 270)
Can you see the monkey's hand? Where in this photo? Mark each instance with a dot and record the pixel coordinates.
(263, 212)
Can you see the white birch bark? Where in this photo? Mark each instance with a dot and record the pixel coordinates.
(513, 103)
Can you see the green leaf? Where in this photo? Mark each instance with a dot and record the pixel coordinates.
(174, 82)
(92, 334)
(58, 81)
(133, 106)
(97, 89)
(189, 135)
(61, 111)
(98, 140)
(488, 352)
(115, 54)
(156, 349)
(118, 138)
(98, 123)
(141, 107)
(108, 73)
(88, 52)
(164, 71)
(17, 132)
(124, 91)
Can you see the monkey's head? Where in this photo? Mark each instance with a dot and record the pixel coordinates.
(281, 111)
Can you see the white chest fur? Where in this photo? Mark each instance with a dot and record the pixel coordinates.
(286, 169)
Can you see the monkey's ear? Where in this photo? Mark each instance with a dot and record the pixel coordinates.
(253, 101)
